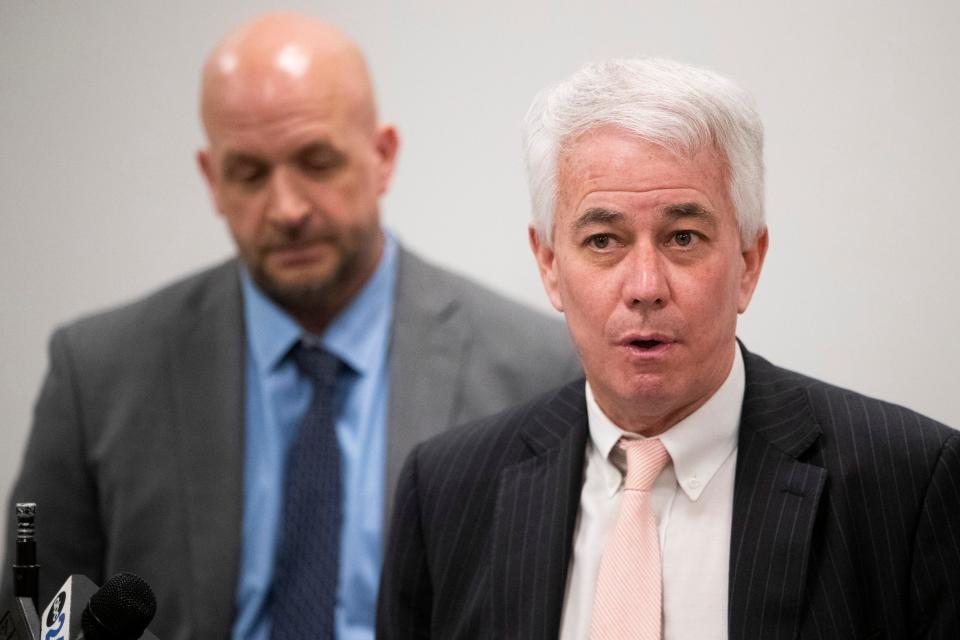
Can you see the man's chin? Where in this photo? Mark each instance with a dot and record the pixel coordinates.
(312, 285)
(652, 391)
(297, 288)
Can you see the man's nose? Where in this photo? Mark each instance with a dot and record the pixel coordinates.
(288, 206)
(646, 279)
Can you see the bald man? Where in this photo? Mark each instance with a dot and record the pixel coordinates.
(184, 438)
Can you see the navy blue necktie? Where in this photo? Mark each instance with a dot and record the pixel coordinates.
(308, 557)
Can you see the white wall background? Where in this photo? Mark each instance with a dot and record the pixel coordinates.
(100, 200)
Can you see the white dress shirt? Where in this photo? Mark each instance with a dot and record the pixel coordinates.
(692, 500)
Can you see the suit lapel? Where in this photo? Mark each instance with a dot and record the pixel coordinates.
(537, 504)
(207, 365)
(775, 504)
(426, 348)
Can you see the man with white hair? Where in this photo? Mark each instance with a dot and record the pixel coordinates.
(687, 488)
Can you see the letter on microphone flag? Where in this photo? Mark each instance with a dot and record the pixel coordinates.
(56, 620)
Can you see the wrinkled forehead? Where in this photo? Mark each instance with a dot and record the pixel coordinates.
(609, 158)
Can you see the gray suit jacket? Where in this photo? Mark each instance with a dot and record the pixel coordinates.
(135, 459)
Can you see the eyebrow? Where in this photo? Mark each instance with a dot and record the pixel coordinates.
(236, 162)
(689, 210)
(596, 215)
(318, 146)
(238, 157)
(682, 211)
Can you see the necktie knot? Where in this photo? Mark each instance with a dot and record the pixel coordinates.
(645, 460)
(318, 364)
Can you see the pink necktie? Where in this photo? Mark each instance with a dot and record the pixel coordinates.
(627, 603)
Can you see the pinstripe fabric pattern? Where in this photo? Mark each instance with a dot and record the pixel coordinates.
(846, 520)
(483, 526)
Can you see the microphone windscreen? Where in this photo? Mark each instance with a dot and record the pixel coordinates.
(120, 610)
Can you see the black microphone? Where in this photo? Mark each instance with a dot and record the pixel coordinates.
(119, 610)
(20, 621)
(26, 571)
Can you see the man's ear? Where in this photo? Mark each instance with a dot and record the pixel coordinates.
(547, 264)
(207, 170)
(387, 146)
(753, 256)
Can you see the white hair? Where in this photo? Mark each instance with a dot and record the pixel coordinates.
(676, 106)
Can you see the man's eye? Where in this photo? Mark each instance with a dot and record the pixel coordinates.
(321, 162)
(318, 166)
(599, 241)
(684, 238)
(246, 174)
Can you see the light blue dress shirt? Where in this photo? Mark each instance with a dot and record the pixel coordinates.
(277, 396)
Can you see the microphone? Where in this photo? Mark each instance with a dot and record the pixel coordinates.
(119, 610)
(26, 571)
(21, 621)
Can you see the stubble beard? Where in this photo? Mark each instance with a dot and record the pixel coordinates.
(317, 294)
(318, 299)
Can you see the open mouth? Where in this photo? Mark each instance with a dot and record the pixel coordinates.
(646, 344)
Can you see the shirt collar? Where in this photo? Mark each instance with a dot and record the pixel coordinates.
(698, 444)
(271, 332)
(358, 335)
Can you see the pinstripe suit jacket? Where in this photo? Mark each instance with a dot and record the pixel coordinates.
(846, 520)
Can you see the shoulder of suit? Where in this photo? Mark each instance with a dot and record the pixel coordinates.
(157, 311)
(504, 430)
(492, 314)
(841, 410)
